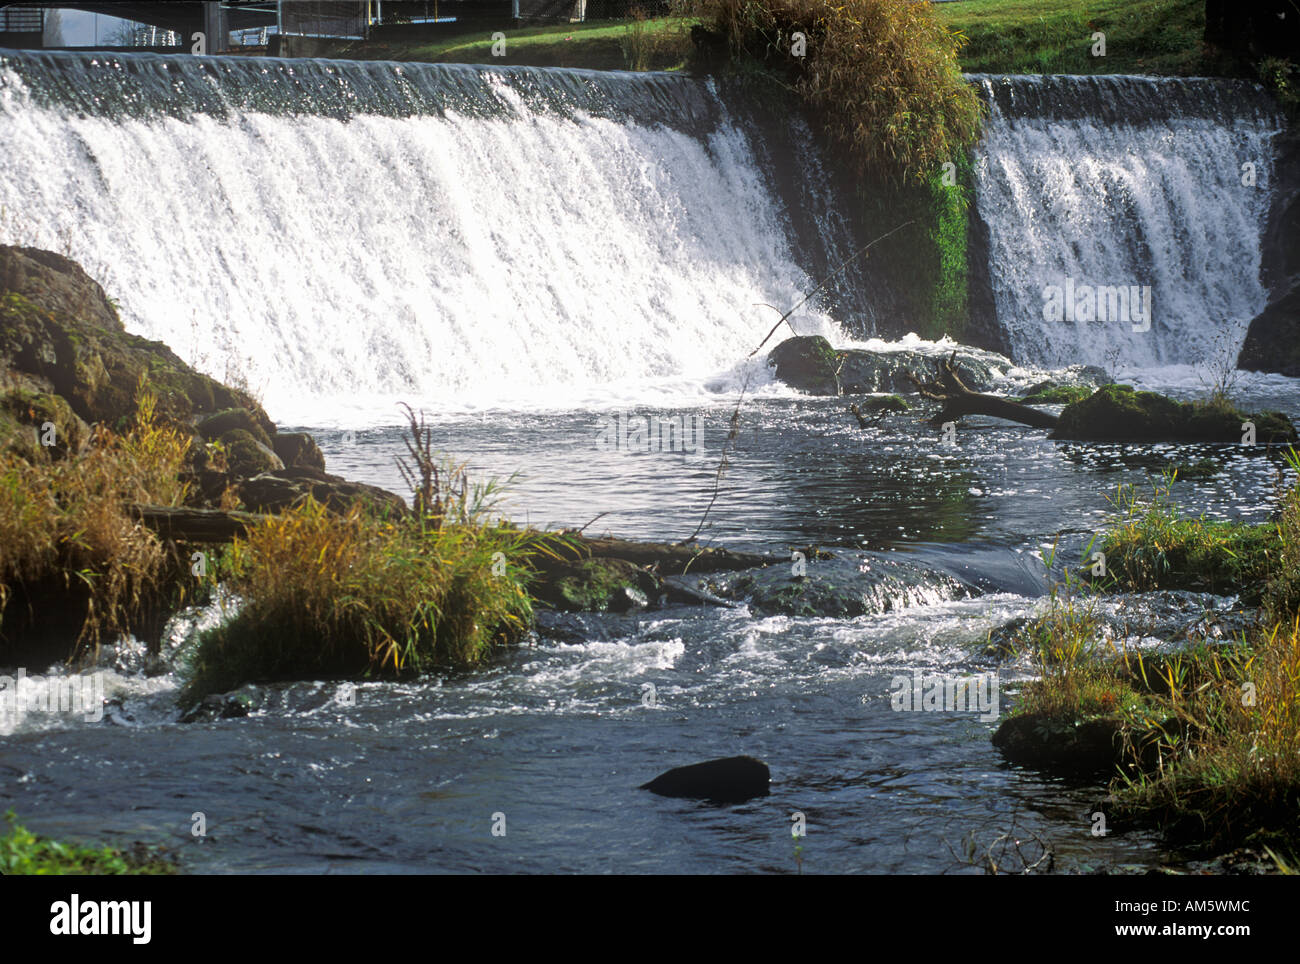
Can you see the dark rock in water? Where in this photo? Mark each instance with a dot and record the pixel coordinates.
(810, 364)
(1076, 747)
(298, 450)
(226, 706)
(1273, 340)
(1118, 413)
(731, 780)
(598, 584)
(277, 490)
(807, 363)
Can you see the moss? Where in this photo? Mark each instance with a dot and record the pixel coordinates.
(245, 455)
(596, 585)
(1059, 395)
(1118, 413)
(884, 404)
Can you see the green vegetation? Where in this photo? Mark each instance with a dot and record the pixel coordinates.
(1203, 743)
(65, 529)
(1058, 395)
(324, 593)
(637, 43)
(23, 852)
(881, 75)
(1119, 413)
(1055, 36)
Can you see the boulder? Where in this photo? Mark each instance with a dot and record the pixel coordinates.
(810, 364)
(298, 450)
(279, 489)
(599, 585)
(731, 780)
(1118, 413)
(247, 456)
(217, 424)
(1273, 339)
(60, 335)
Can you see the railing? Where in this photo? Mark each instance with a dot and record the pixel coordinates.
(22, 20)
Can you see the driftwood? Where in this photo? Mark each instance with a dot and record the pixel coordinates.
(194, 525)
(958, 400)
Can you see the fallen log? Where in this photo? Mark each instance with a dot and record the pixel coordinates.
(958, 400)
(194, 525)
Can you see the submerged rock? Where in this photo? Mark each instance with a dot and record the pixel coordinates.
(730, 780)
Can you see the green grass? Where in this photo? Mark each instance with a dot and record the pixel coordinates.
(1005, 36)
(1054, 36)
(598, 45)
(23, 852)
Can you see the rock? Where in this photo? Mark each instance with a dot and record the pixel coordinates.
(246, 456)
(807, 363)
(60, 335)
(599, 585)
(1118, 413)
(26, 418)
(298, 450)
(1077, 747)
(226, 706)
(1273, 339)
(884, 405)
(810, 364)
(276, 490)
(216, 425)
(731, 780)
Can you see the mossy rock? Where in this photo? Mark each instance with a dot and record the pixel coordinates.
(298, 450)
(232, 419)
(246, 456)
(61, 335)
(884, 405)
(1083, 746)
(598, 585)
(1050, 394)
(35, 418)
(806, 362)
(1119, 413)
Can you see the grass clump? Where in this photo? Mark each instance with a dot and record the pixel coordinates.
(1152, 545)
(23, 852)
(67, 538)
(1203, 743)
(341, 595)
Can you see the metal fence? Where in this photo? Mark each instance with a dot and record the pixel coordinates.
(324, 18)
(17, 19)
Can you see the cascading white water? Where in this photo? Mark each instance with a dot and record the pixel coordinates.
(344, 234)
(1117, 181)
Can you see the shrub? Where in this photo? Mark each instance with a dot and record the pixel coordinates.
(65, 524)
(882, 74)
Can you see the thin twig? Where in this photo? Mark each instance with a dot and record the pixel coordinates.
(847, 261)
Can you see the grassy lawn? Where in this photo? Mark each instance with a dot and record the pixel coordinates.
(1006, 36)
(600, 45)
(1055, 36)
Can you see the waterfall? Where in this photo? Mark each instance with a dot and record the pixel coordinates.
(1101, 192)
(332, 232)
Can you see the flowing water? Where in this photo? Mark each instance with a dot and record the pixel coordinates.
(525, 252)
